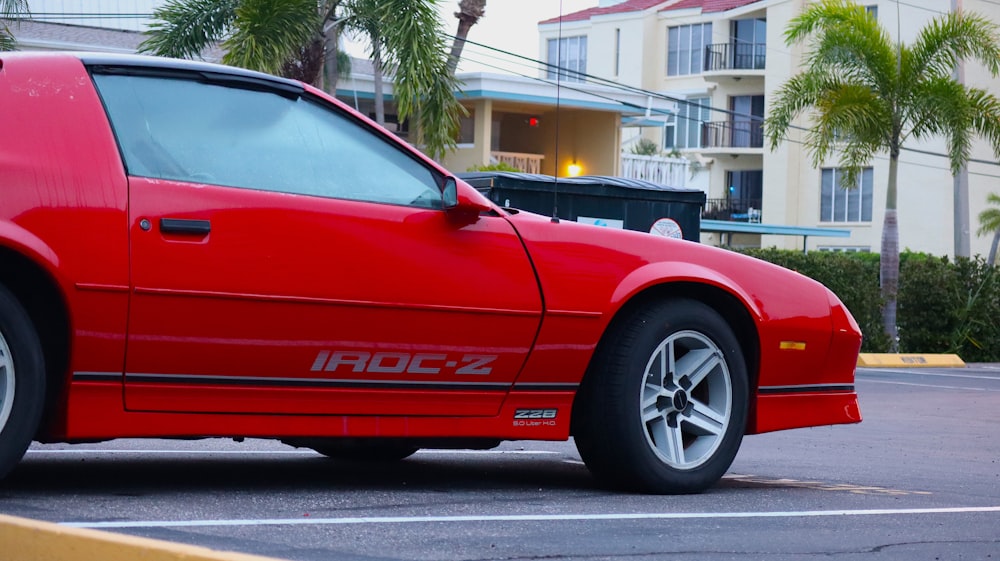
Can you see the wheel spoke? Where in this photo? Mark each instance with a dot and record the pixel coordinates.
(650, 410)
(673, 445)
(667, 439)
(706, 419)
(698, 364)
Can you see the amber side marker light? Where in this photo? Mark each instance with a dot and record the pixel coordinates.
(792, 346)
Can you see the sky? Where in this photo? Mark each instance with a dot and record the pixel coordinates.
(510, 25)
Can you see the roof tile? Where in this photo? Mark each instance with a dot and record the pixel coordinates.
(622, 8)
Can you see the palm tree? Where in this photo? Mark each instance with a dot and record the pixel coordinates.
(989, 221)
(10, 10)
(468, 14)
(293, 38)
(871, 94)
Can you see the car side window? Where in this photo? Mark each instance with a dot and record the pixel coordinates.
(189, 130)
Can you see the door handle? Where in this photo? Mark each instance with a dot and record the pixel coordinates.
(185, 226)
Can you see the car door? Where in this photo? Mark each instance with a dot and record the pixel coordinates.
(288, 258)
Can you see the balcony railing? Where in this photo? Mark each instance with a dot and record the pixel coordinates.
(735, 56)
(732, 134)
(528, 163)
(732, 210)
(655, 169)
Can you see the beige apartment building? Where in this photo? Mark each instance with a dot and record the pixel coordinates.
(725, 59)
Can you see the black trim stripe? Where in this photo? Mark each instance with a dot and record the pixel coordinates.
(545, 387)
(97, 376)
(272, 382)
(806, 388)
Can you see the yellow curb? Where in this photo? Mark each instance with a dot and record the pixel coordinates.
(885, 360)
(31, 540)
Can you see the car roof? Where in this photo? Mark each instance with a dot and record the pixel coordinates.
(156, 62)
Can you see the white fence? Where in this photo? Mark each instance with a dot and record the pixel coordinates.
(528, 163)
(672, 172)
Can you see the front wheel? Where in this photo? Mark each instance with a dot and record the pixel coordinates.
(663, 407)
(22, 381)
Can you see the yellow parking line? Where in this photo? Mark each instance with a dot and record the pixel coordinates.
(890, 360)
(32, 540)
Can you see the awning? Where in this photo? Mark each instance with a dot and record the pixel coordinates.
(645, 121)
(727, 227)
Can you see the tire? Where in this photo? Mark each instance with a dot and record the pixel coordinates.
(639, 430)
(22, 381)
(363, 450)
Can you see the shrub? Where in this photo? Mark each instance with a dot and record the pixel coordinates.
(645, 147)
(499, 166)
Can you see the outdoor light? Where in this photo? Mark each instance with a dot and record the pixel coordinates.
(574, 169)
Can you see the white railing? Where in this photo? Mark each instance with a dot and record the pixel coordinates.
(528, 163)
(672, 172)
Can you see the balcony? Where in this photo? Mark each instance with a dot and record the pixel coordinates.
(732, 210)
(732, 137)
(735, 60)
(528, 163)
(655, 169)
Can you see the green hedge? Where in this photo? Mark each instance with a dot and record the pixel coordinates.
(943, 306)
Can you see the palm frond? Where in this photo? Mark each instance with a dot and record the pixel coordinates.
(796, 95)
(863, 53)
(824, 15)
(11, 10)
(267, 33)
(184, 28)
(7, 42)
(952, 37)
(985, 109)
(414, 43)
(989, 219)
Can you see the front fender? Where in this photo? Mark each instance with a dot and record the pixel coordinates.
(669, 272)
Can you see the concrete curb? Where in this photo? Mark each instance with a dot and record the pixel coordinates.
(878, 360)
(30, 540)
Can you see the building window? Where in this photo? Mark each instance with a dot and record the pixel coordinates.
(686, 48)
(569, 54)
(838, 204)
(684, 129)
(467, 129)
(749, 37)
(873, 10)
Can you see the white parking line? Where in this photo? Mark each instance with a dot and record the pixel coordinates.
(938, 386)
(522, 518)
(913, 372)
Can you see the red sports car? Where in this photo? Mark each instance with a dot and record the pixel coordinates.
(192, 250)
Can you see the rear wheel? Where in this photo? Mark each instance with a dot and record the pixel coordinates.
(663, 408)
(22, 377)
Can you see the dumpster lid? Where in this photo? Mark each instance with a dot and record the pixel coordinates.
(485, 179)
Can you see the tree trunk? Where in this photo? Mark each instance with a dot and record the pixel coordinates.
(377, 84)
(331, 44)
(993, 249)
(464, 25)
(889, 262)
(468, 14)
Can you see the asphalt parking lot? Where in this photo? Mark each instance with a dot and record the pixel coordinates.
(918, 479)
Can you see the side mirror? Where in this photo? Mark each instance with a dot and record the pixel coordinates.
(450, 193)
(462, 202)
